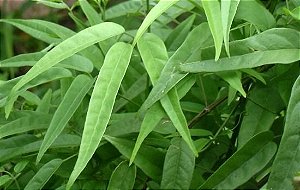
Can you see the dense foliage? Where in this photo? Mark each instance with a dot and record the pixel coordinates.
(146, 94)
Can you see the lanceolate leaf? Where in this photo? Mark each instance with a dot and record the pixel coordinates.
(49, 75)
(234, 79)
(91, 14)
(172, 107)
(214, 17)
(75, 62)
(44, 174)
(78, 89)
(243, 164)
(154, 55)
(228, 10)
(51, 30)
(64, 50)
(189, 51)
(101, 104)
(179, 166)
(33, 122)
(287, 161)
(123, 177)
(16, 150)
(251, 60)
(155, 12)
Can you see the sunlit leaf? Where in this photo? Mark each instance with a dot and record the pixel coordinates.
(101, 104)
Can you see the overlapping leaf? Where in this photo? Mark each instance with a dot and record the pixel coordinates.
(64, 50)
(178, 166)
(155, 12)
(214, 17)
(78, 89)
(154, 55)
(189, 51)
(43, 175)
(101, 104)
(287, 161)
(123, 177)
(243, 164)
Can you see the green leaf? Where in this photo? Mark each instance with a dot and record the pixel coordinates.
(287, 160)
(155, 12)
(263, 106)
(101, 104)
(123, 177)
(51, 74)
(20, 166)
(45, 104)
(213, 13)
(152, 117)
(32, 145)
(243, 164)
(178, 35)
(254, 12)
(4, 179)
(53, 33)
(75, 62)
(149, 159)
(179, 166)
(91, 14)
(35, 30)
(255, 74)
(295, 13)
(156, 113)
(135, 89)
(172, 107)
(154, 55)
(234, 80)
(27, 123)
(72, 99)
(228, 11)
(64, 50)
(56, 5)
(187, 52)
(122, 9)
(44, 174)
(251, 60)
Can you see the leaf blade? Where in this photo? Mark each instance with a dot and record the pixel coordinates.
(213, 13)
(66, 49)
(108, 81)
(75, 94)
(287, 160)
(178, 166)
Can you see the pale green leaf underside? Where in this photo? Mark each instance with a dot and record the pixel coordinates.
(101, 104)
